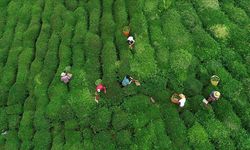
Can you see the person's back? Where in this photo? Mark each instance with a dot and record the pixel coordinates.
(179, 99)
(131, 41)
(125, 81)
(214, 96)
(100, 88)
(65, 77)
(182, 101)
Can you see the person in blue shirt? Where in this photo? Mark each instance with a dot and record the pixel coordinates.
(127, 80)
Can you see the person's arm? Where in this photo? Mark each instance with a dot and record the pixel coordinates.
(182, 96)
(131, 80)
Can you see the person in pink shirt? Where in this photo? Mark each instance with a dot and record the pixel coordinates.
(65, 77)
(99, 88)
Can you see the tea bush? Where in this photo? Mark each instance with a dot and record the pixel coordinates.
(101, 119)
(198, 137)
(179, 46)
(93, 44)
(94, 15)
(12, 140)
(123, 139)
(104, 140)
(244, 4)
(175, 127)
(219, 139)
(42, 139)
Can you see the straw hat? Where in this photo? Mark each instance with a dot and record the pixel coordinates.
(63, 74)
(217, 94)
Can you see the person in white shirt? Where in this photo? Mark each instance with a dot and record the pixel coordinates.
(131, 42)
(181, 102)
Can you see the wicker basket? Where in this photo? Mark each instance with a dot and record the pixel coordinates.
(214, 80)
(175, 98)
(126, 31)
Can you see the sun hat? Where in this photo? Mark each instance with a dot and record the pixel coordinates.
(217, 94)
(63, 74)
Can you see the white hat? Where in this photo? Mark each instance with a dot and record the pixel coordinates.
(217, 94)
(63, 74)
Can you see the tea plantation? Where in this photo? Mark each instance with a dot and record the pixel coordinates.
(179, 45)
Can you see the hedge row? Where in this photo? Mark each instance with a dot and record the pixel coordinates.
(215, 44)
(17, 93)
(236, 14)
(234, 122)
(94, 14)
(3, 18)
(123, 54)
(143, 63)
(232, 89)
(121, 20)
(224, 112)
(120, 14)
(93, 47)
(206, 48)
(176, 127)
(110, 65)
(157, 40)
(245, 5)
(181, 49)
(58, 137)
(43, 80)
(221, 139)
(141, 117)
(8, 34)
(152, 137)
(199, 138)
(221, 28)
(73, 140)
(57, 90)
(81, 101)
(26, 123)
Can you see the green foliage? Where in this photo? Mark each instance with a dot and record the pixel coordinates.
(177, 37)
(94, 15)
(175, 127)
(179, 46)
(218, 134)
(101, 119)
(119, 119)
(71, 4)
(3, 120)
(71, 124)
(198, 137)
(244, 4)
(73, 139)
(42, 139)
(104, 140)
(120, 14)
(123, 138)
(143, 63)
(12, 141)
(26, 128)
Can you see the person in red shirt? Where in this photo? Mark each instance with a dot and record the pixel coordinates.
(99, 88)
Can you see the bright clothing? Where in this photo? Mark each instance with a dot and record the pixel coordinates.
(100, 88)
(125, 81)
(212, 97)
(130, 40)
(182, 102)
(65, 78)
